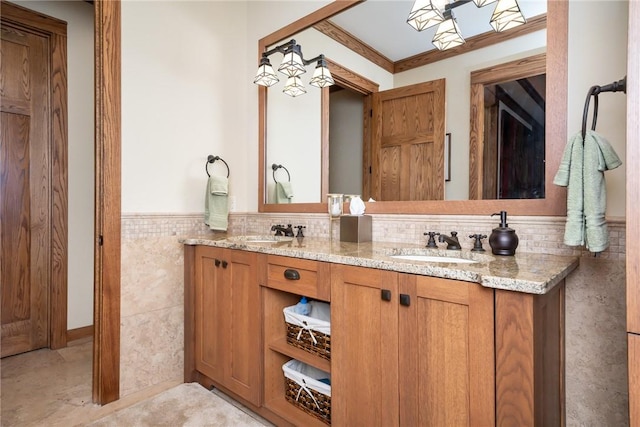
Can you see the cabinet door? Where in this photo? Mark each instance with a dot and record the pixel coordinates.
(446, 360)
(242, 375)
(227, 320)
(212, 322)
(364, 347)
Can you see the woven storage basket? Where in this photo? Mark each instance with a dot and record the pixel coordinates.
(303, 390)
(311, 333)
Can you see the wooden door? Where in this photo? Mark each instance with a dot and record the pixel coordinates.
(242, 293)
(227, 319)
(212, 321)
(408, 142)
(446, 359)
(633, 206)
(25, 182)
(364, 347)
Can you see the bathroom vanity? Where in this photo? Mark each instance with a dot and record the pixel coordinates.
(478, 341)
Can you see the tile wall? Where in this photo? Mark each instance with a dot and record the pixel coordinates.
(596, 369)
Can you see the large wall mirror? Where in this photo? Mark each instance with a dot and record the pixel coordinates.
(328, 144)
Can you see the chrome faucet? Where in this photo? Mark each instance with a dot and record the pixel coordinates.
(280, 230)
(452, 241)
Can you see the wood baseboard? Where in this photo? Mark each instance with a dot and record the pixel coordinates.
(78, 333)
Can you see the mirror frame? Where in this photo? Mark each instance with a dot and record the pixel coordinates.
(554, 204)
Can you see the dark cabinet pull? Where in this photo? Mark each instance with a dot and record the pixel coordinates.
(224, 264)
(385, 294)
(290, 274)
(405, 300)
(217, 262)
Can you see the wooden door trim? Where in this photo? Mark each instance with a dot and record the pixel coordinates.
(106, 343)
(56, 33)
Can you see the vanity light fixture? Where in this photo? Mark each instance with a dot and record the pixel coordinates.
(507, 15)
(293, 65)
(426, 14)
(448, 34)
(294, 87)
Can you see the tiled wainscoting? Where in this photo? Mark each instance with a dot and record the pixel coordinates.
(596, 361)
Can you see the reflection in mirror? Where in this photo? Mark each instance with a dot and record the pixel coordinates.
(460, 195)
(508, 130)
(514, 139)
(292, 122)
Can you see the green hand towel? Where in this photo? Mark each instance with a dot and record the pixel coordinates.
(284, 192)
(216, 211)
(599, 156)
(582, 172)
(570, 175)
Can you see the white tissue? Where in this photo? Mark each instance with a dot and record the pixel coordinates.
(356, 206)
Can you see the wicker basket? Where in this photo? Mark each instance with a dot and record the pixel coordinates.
(303, 389)
(310, 333)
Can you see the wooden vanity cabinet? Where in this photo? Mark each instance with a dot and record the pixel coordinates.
(410, 350)
(413, 350)
(406, 350)
(226, 320)
(280, 290)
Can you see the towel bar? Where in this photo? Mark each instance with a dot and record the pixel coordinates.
(275, 167)
(212, 159)
(619, 86)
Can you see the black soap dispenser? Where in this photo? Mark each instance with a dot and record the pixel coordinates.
(503, 240)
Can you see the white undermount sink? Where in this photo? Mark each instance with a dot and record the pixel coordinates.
(434, 258)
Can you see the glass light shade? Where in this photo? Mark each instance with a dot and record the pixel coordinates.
(481, 3)
(447, 35)
(321, 76)
(294, 87)
(292, 64)
(424, 15)
(266, 76)
(507, 15)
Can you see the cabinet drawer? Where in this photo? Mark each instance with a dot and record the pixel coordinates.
(300, 276)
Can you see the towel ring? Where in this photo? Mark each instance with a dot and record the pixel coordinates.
(212, 159)
(275, 167)
(618, 86)
(585, 115)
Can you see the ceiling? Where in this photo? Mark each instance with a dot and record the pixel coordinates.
(382, 24)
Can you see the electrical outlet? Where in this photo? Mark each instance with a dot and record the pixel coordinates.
(232, 203)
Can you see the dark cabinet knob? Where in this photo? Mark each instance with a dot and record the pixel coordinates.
(291, 274)
(224, 264)
(217, 262)
(405, 300)
(385, 294)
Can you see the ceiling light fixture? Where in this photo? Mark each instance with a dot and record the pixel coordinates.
(426, 14)
(293, 65)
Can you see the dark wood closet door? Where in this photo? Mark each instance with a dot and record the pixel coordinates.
(24, 188)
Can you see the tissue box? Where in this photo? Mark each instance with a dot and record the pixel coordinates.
(355, 228)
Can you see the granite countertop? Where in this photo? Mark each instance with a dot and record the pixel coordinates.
(525, 272)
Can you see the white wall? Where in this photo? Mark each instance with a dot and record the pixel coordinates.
(79, 18)
(180, 104)
(345, 155)
(598, 56)
(185, 84)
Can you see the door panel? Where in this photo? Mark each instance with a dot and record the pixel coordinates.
(364, 350)
(244, 339)
(212, 322)
(25, 204)
(447, 357)
(408, 142)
